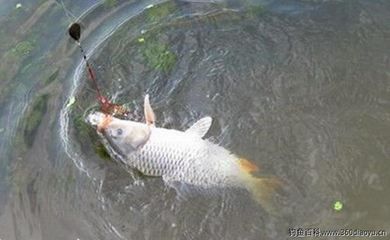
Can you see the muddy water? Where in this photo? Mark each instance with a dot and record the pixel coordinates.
(302, 88)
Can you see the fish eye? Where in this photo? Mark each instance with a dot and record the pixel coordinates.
(119, 131)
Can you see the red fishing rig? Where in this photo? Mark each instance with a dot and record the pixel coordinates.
(106, 106)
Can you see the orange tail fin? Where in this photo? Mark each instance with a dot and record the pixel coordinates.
(261, 189)
(247, 166)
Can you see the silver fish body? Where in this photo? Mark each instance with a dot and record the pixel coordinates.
(180, 156)
(185, 157)
(172, 154)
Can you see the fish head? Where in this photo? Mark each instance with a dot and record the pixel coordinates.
(124, 136)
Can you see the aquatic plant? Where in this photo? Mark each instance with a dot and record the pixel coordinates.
(81, 128)
(34, 117)
(23, 48)
(52, 77)
(110, 3)
(101, 151)
(84, 131)
(159, 56)
(156, 13)
(255, 10)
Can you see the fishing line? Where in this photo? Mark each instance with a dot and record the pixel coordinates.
(105, 105)
(68, 13)
(74, 31)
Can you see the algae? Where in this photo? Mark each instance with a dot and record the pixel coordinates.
(101, 151)
(110, 3)
(158, 55)
(84, 131)
(34, 118)
(156, 13)
(52, 77)
(255, 10)
(23, 48)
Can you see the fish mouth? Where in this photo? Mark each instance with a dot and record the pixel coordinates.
(99, 120)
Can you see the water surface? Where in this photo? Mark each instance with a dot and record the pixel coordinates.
(302, 88)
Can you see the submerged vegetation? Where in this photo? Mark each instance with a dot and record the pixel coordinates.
(52, 77)
(110, 3)
(33, 118)
(20, 34)
(84, 131)
(156, 13)
(255, 10)
(101, 151)
(155, 52)
(158, 55)
(23, 48)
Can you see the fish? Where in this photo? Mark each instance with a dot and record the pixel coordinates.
(183, 157)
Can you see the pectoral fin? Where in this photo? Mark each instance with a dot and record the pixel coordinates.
(148, 111)
(201, 127)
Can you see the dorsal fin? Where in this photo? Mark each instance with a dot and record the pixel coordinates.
(201, 127)
(148, 111)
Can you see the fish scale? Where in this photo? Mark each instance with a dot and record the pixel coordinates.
(179, 156)
(160, 156)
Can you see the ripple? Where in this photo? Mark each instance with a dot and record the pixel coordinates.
(301, 89)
